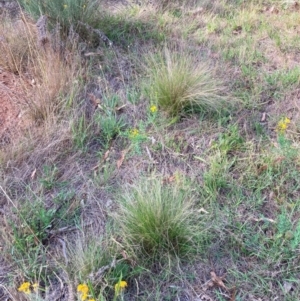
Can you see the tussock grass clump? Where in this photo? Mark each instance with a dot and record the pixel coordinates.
(155, 219)
(87, 254)
(179, 82)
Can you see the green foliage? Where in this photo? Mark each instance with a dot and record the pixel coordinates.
(283, 79)
(81, 130)
(110, 127)
(215, 178)
(136, 137)
(283, 223)
(286, 148)
(126, 31)
(48, 178)
(109, 123)
(66, 13)
(229, 141)
(103, 126)
(36, 221)
(178, 82)
(287, 233)
(295, 243)
(155, 219)
(247, 183)
(33, 223)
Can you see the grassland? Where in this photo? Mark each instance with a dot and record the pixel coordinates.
(161, 158)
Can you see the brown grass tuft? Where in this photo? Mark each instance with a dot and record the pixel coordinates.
(15, 46)
(46, 77)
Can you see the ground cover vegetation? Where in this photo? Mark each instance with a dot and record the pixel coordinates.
(158, 154)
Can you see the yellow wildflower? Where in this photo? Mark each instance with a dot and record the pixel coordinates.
(134, 133)
(84, 6)
(283, 124)
(153, 109)
(83, 289)
(120, 286)
(35, 286)
(25, 288)
(65, 6)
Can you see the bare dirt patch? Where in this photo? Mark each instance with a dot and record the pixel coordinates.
(12, 101)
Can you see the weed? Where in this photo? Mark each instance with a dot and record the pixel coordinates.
(215, 178)
(229, 141)
(136, 136)
(110, 127)
(286, 148)
(48, 180)
(94, 266)
(80, 131)
(34, 231)
(109, 123)
(284, 78)
(102, 127)
(222, 159)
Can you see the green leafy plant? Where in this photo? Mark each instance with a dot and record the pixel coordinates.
(103, 126)
(34, 221)
(229, 141)
(49, 177)
(109, 123)
(34, 231)
(288, 234)
(137, 137)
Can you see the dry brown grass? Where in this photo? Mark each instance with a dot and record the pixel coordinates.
(15, 46)
(47, 79)
(45, 73)
(53, 79)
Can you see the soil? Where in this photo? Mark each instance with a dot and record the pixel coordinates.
(11, 101)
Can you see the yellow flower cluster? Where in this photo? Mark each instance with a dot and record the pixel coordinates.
(133, 133)
(27, 288)
(153, 109)
(120, 286)
(65, 6)
(83, 289)
(283, 124)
